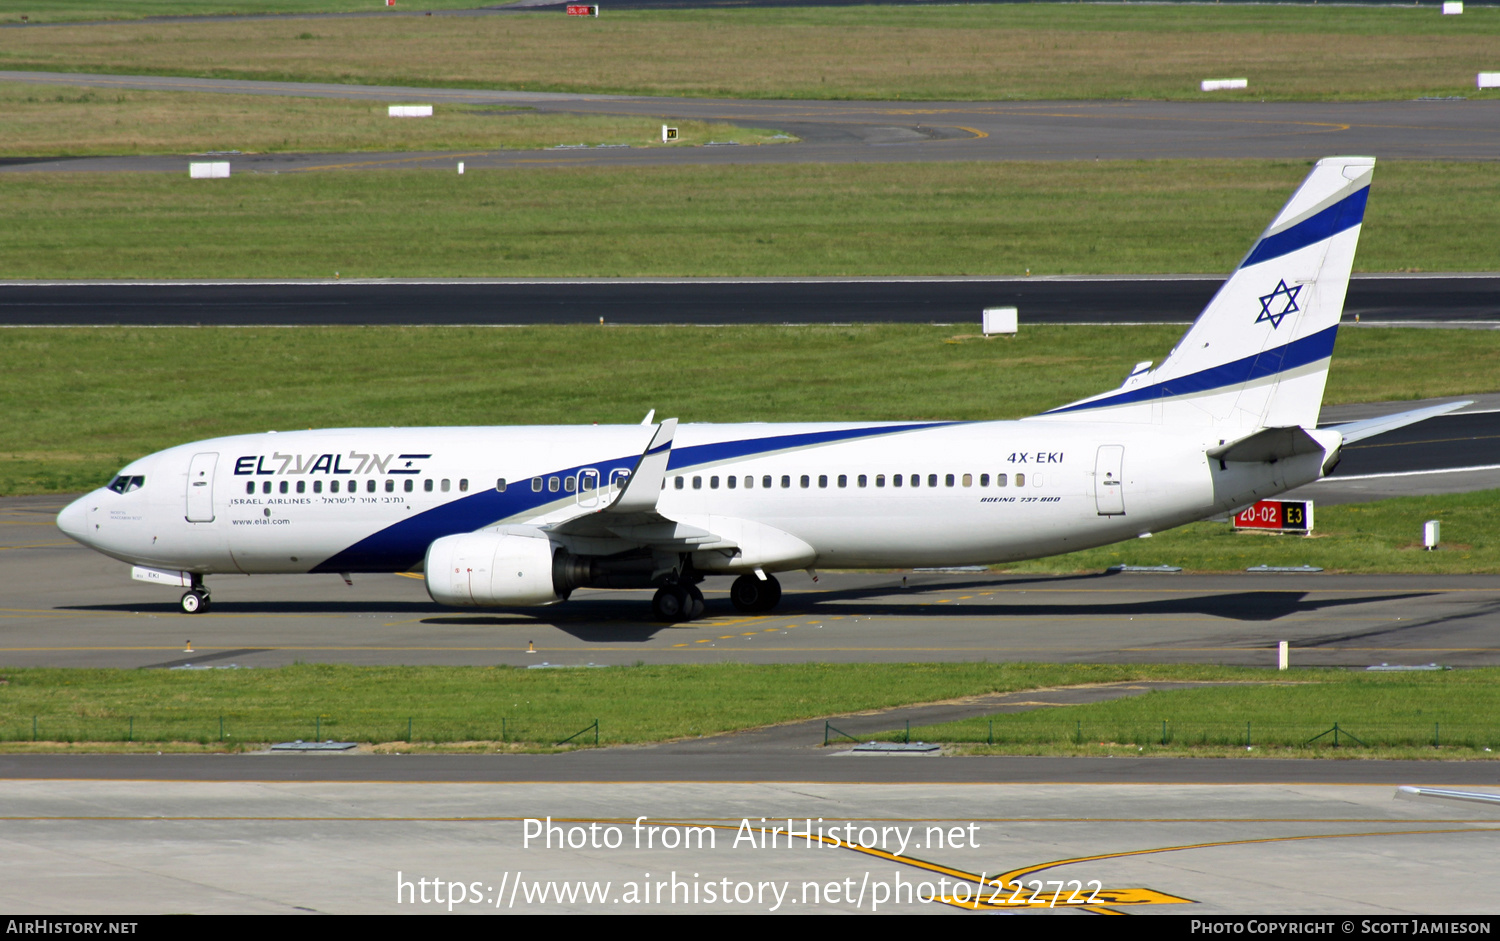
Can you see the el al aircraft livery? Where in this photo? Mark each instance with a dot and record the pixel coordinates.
(525, 515)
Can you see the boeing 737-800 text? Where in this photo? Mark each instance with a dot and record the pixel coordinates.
(511, 516)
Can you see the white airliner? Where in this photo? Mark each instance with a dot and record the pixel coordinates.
(525, 515)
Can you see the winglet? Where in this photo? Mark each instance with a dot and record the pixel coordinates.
(645, 483)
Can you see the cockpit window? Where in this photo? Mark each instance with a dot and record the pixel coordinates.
(124, 484)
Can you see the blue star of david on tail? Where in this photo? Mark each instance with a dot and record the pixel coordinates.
(1282, 291)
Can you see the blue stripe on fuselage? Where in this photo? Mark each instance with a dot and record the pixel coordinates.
(1309, 349)
(402, 545)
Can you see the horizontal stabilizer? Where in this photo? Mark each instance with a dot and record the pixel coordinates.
(1268, 444)
(1370, 427)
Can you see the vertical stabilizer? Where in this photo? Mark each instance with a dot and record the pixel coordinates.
(1258, 355)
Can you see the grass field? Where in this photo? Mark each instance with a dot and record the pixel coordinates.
(52, 120)
(1408, 715)
(465, 706)
(80, 402)
(60, 11)
(1115, 217)
(986, 51)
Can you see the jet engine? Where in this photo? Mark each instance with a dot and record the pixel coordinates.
(493, 568)
(522, 566)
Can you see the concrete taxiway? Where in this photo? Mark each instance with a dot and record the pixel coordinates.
(287, 847)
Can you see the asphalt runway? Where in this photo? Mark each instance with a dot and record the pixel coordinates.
(152, 846)
(854, 132)
(1468, 300)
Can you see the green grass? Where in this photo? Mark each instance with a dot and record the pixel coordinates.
(1123, 217)
(446, 704)
(61, 120)
(1403, 715)
(943, 52)
(62, 11)
(1381, 536)
(80, 402)
(657, 703)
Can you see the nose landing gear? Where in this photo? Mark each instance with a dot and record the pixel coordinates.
(196, 600)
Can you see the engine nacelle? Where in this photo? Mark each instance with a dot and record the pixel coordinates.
(514, 567)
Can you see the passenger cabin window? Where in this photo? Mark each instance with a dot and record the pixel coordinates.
(749, 483)
(301, 486)
(500, 485)
(897, 479)
(822, 480)
(265, 487)
(445, 485)
(1000, 480)
(282, 488)
(984, 480)
(249, 488)
(948, 480)
(880, 480)
(713, 483)
(1020, 480)
(333, 486)
(408, 488)
(786, 481)
(427, 485)
(552, 484)
(805, 481)
(678, 483)
(862, 479)
(697, 483)
(766, 481)
(570, 484)
(932, 480)
(843, 480)
(370, 486)
(536, 485)
(732, 481)
(463, 485)
(390, 486)
(318, 486)
(968, 480)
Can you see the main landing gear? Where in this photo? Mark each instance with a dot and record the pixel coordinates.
(196, 599)
(750, 595)
(680, 602)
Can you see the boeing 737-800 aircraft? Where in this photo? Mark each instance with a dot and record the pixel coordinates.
(525, 515)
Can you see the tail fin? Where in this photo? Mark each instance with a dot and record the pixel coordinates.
(1258, 355)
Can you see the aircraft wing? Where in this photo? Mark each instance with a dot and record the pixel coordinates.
(1370, 427)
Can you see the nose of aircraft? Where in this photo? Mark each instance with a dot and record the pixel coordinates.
(73, 520)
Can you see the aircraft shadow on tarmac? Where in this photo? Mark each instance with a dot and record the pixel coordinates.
(628, 621)
(1239, 606)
